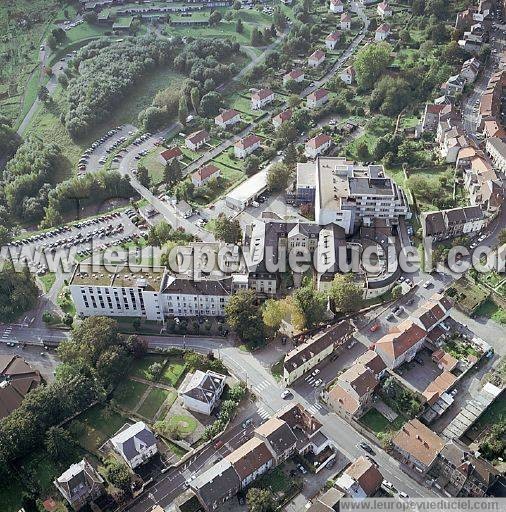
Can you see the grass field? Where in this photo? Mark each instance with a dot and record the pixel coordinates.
(173, 372)
(99, 425)
(47, 125)
(19, 50)
(153, 402)
(489, 309)
(140, 366)
(185, 425)
(376, 422)
(47, 281)
(128, 394)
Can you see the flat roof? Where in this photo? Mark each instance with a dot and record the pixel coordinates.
(250, 188)
(87, 274)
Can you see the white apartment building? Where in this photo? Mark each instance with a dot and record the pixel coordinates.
(153, 295)
(347, 193)
(496, 148)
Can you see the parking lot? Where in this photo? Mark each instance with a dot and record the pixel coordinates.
(96, 155)
(100, 232)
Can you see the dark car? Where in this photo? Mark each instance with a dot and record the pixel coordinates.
(367, 448)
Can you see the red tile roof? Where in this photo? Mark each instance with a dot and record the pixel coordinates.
(284, 116)
(198, 136)
(318, 94)
(406, 335)
(171, 153)
(226, 115)
(294, 74)
(206, 171)
(318, 141)
(261, 94)
(317, 55)
(334, 36)
(248, 141)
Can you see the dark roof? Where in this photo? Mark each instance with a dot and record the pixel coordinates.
(78, 481)
(279, 435)
(204, 386)
(368, 186)
(216, 483)
(434, 223)
(127, 440)
(473, 213)
(337, 334)
(455, 216)
(186, 286)
(17, 378)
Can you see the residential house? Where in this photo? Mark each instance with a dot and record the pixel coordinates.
(261, 98)
(332, 39)
(336, 6)
(196, 140)
(316, 58)
(456, 222)
(327, 502)
(183, 209)
(17, 379)
(317, 98)
(465, 18)
(170, 154)
(493, 128)
(438, 387)
(417, 445)
(216, 485)
(401, 344)
(203, 391)
(318, 145)
(227, 118)
(362, 479)
(384, 10)
(251, 460)
(444, 360)
(352, 394)
(372, 361)
(348, 75)
(470, 70)
(496, 149)
(279, 438)
(454, 85)
(463, 474)
(246, 146)
(382, 32)
(205, 174)
(80, 484)
(432, 312)
(431, 117)
(281, 118)
(345, 21)
(136, 444)
(297, 75)
(307, 355)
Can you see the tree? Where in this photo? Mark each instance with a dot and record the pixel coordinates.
(290, 157)
(5, 235)
(18, 293)
(60, 445)
(227, 230)
(119, 475)
(252, 165)
(214, 18)
(172, 172)
(195, 99)
(244, 317)
(239, 26)
(159, 234)
(371, 62)
(362, 151)
(43, 94)
(260, 500)
(143, 175)
(273, 313)
(184, 190)
(278, 176)
(311, 305)
(256, 37)
(346, 294)
(396, 291)
(210, 104)
(182, 112)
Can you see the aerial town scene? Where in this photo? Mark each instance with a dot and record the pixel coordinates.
(252, 255)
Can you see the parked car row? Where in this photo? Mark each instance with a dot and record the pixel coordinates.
(67, 25)
(79, 239)
(83, 161)
(141, 139)
(65, 229)
(111, 243)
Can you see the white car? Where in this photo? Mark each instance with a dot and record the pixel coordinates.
(402, 494)
(285, 394)
(316, 372)
(317, 383)
(388, 485)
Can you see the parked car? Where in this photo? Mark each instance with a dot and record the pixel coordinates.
(366, 447)
(286, 394)
(302, 469)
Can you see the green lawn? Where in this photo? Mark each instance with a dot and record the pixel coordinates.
(153, 402)
(375, 421)
(47, 281)
(173, 372)
(154, 166)
(140, 367)
(493, 415)
(185, 425)
(128, 394)
(98, 424)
